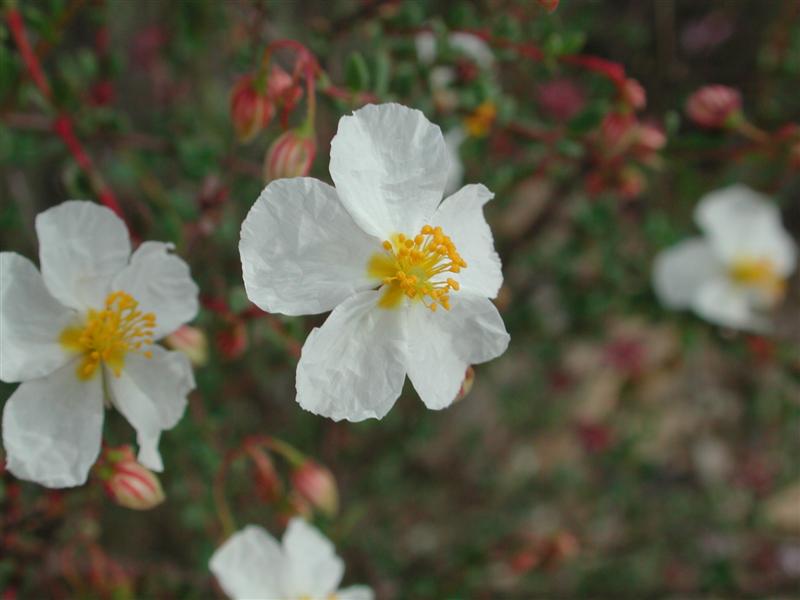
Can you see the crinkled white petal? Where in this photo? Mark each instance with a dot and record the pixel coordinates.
(741, 223)
(301, 251)
(722, 302)
(52, 428)
(461, 218)
(425, 45)
(353, 367)
(680, 271)
(355, 592)
(475, 327)
(389, 164)
(312, 568)
(81, 247)
(434, 366)
(151, 394)
(31, 321)
(162, 284)
(455, 176)
(249, 565)
(473, 47)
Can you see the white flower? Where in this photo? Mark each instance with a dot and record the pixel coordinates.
(468, 44)
(252, 565)
(408, 276)
(80, 335)
(738, 269)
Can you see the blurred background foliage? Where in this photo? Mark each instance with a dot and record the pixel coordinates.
(616, 450)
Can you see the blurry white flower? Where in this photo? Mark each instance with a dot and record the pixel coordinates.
(738, 269)
(468, 44)
(80, 335)
(252, 565)
(386, 254)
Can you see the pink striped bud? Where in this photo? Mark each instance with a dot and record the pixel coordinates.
(316, 484)
(267, 483)
(466, 385)
(250, 110)
(192, 342)
(291, 155)
(127, 482)
(714, 106)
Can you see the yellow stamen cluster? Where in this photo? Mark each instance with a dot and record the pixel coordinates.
(415, 268)
(759, 274)
(109, 334)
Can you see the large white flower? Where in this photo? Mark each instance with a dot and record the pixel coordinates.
(253, 565)
(80, 335)
(738, 269)
(408, 276)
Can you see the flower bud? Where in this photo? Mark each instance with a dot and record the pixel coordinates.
(714, 106)
(250, 110)
(267, 483)
(192, 342)
(127, 482)
(290, 155)
(233, 340)
(633, 94)
(466, 385)
(316, 484)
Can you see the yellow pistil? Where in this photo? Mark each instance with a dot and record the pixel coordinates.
(759, 274)
(417, 268)
(109, 334)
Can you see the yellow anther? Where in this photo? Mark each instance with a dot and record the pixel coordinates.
(453, 284)
(387, 245)
(426, 230)
(108, 335)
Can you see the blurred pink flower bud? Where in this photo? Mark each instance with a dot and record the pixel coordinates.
(561, 99)
(284, 91)
(714, 106)
(316, 484)
(250, 110)
(466, 385)
(651, 138)
(233, 341)
(127, 482)
(192, 342)
(290, 155)
(633, 94)
(267, 483)
(549, 5)
(617, 132)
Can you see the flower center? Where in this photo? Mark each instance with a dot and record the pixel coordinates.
(109, 334)
(758, 273)
(416, 268)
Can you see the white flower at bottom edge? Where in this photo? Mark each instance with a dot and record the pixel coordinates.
(253, 565)
(80, 335)
(738, 269)
(408, 276)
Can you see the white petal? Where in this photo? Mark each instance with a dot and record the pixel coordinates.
(476, 328)
(301, 251)
(151, 394)
(473, 47)
(461, 218)
(680, 271)
(389, 164)
(81, 247)
(353, 366)
(720, 301)
(249, 565)
(455, 176)
(162, 284)
(312, 568)
(31, 321)
(434, 366)
(742, 223)
(355, 592)
(52, 428)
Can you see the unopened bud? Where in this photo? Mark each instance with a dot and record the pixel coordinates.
(466, 385)
(233, 341)
(267, 483)
(127, 482)
(290, 155)
(316, 484)
(633, 94)
(192, 342)
(251, 111)
(714, 106)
